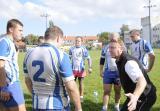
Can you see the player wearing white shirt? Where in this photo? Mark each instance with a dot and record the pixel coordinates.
(78, 54)
(142, 50)
(11, 94)
(49, 76)
(140, 91)
(110, 75)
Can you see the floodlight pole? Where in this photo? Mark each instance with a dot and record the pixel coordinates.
(46, 17)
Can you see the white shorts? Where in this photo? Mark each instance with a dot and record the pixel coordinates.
(49, 102)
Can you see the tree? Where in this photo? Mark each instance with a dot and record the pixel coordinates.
(31, 39)
(123, 29)
(103, 37)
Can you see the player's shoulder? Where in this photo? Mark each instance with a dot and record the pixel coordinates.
(83, 47)
(4, 39)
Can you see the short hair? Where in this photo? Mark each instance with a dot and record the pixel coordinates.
(137, 32)
(79, 37)
(119, 41)
(53, 32)
(13, 23)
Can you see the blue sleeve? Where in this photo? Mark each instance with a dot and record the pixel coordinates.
(4, 48)
(85, 53)
(103, 52)
(65, 66)
(70, 51)
(147, 47)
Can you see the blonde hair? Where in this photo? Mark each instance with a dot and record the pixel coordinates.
(118, 41)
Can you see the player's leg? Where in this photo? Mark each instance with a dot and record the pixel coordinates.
(107, 87)
(107, 90)
(17, 108)
(16, 103)
(81, 87)
(117, 90)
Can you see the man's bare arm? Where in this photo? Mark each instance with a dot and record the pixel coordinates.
(28, 84)
(74, 94)
(2, 74)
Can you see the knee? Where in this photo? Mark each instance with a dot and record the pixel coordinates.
(107, 92)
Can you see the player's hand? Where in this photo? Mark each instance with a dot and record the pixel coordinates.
(90, 70)
(133, 101)
(4, 94)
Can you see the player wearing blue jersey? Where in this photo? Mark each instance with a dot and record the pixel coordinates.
(78, 54)
(48, 75)
(11, 95)
(142, 50)
(110, 75)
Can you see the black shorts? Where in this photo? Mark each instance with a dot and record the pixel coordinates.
(144, 103)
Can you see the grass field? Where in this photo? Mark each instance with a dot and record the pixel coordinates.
(94, 82)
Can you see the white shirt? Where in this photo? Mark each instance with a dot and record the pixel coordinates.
(133, 70)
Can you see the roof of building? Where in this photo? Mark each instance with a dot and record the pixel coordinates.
(84, 37)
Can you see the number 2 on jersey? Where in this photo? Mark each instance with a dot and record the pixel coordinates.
(36, 76)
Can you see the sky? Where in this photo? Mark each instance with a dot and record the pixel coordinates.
(76, 17)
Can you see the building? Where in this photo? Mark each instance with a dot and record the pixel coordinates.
(155, 29)
(70, 40)
(127, 39)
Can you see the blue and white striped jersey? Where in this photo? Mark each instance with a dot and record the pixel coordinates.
(140, 50)
(49, 68)
(78, 56)
(9, 54)
(109, 61)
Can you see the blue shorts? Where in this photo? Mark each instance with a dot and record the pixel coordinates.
(111, 77)
(17, 97)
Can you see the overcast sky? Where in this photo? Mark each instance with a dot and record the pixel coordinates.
(76, 17)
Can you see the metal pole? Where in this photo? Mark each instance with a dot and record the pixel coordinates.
(150, 33)
(46, 21)
(149, 20)
(46, 17)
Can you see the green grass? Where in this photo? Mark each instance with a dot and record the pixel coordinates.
(94, 82)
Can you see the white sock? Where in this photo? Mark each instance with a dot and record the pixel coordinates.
(104, 108)
(116, 105)
(81, 97)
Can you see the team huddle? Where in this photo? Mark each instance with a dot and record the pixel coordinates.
(51, 74)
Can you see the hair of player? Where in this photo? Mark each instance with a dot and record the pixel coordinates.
(13, 23)
(53, 33)
(135, 31)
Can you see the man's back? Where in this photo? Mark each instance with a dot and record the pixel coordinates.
(43, 65)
